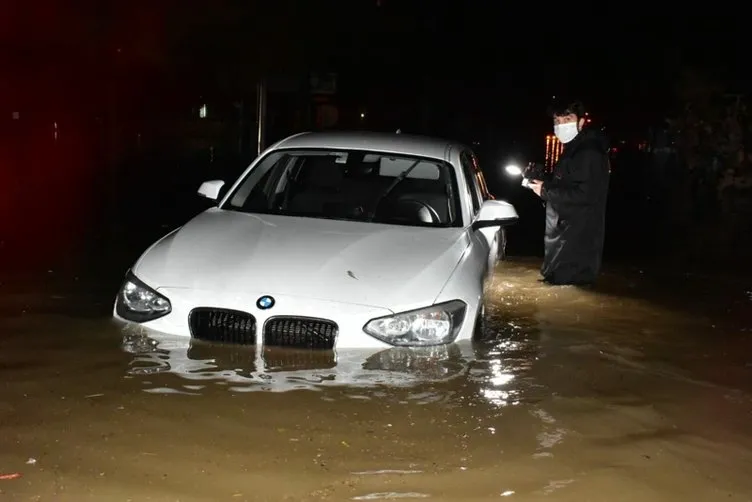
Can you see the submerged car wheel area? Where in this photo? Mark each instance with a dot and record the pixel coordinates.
(329, 240)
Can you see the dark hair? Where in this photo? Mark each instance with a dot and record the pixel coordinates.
(561, 108)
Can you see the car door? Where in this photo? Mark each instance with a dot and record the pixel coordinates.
(500, 234)
(487, 237)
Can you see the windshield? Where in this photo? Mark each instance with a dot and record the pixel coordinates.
(350, 185)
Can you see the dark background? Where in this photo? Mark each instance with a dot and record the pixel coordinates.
(103, 145)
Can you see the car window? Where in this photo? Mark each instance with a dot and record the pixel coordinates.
(351, 185)
(258, 176)
(472, 184)
(480, 179)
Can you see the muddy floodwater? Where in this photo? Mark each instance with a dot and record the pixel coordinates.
(639, 390)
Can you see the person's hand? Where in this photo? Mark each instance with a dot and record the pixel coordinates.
(536, 186)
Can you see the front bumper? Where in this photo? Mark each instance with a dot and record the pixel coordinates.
(350, 318)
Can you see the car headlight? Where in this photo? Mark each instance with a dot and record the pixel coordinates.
(138, 302)
(434, 325)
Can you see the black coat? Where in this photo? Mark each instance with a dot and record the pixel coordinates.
(575, 193)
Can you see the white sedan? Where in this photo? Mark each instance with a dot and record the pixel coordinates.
(328, 241)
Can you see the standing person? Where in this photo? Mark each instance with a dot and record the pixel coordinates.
(575, 194)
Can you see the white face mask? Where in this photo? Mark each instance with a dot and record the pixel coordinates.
(566, 132)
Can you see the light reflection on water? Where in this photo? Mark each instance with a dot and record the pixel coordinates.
(494, 370)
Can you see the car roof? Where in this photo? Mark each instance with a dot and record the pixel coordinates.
(406, 144)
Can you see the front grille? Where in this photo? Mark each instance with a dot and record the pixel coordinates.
(300, 332)
(221, 325)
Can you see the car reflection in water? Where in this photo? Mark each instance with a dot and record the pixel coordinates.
(496, 371)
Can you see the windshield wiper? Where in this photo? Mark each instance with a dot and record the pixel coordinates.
(389, 189)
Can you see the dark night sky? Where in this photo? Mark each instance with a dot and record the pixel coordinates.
(122, 78)
(495, 62)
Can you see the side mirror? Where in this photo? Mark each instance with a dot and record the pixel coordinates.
(495, 213)
(211, 189)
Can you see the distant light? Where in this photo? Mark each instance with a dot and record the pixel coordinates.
(362, 115)
(513, 170)
(554, 149)
(202, 112)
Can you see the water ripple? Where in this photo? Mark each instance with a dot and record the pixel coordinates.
(391, 495)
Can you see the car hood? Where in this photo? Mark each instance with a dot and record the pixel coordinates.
(389, 266)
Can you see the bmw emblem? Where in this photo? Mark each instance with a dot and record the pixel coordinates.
(265, 302)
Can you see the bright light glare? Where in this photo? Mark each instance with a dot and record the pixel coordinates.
(513, 170)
